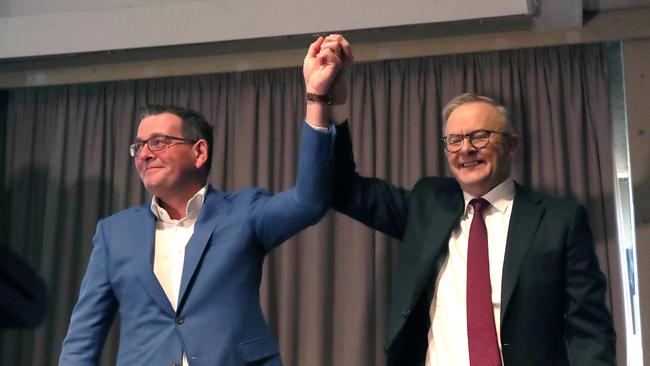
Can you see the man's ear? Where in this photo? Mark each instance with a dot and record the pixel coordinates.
(200, 153)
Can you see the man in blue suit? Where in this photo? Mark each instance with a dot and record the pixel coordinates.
(184, 271)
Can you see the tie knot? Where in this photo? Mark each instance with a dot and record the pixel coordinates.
(479, 204)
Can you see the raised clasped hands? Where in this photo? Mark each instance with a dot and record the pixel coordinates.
(325, 59)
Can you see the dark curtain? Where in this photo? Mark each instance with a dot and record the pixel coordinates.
(65, 164)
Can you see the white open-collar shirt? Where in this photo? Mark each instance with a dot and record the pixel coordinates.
(171, 239)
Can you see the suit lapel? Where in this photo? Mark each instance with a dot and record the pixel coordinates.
(423, 247)
(524, 222)
(439, 219)
(214, 207)
(142, 231)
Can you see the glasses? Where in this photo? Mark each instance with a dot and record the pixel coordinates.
(156, 143)
(478, 139)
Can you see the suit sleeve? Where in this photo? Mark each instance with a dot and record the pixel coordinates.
(590, 332)
(371, 201)
(277, 218)
(94, 312)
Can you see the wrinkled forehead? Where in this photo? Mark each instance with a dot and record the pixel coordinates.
(159, 124)
(474, 116)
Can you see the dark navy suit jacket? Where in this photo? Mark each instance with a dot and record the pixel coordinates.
(553, 309)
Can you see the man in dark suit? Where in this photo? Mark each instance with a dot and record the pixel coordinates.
(184, 270)
(533, 296)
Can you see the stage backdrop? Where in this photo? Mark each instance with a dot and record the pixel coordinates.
(65, 164)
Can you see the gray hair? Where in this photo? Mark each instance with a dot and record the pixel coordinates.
(473, 98)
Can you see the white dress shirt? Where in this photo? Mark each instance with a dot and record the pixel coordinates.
(169, 248)
(448, 332)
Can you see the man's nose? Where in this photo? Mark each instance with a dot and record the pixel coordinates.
(145, 153)
(467, 146)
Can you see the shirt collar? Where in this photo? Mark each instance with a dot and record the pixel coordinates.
(192, 209)
(499, 197)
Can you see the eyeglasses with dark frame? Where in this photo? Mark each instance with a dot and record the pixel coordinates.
(156, 143)
(478, 139)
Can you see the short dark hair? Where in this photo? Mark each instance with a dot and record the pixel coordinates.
(195, 126)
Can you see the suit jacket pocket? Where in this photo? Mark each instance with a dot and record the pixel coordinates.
(258, 349)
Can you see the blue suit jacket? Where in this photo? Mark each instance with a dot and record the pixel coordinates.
(218, 320)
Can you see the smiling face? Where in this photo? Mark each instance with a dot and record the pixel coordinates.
(480, 170)
(174, 171)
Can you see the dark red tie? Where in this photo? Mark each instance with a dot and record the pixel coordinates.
(481, 332)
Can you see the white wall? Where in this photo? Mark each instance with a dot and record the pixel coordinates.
(42, 27)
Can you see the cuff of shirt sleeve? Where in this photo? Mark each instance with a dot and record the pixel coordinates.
(318, 128)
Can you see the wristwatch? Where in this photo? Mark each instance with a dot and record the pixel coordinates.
(311, 97)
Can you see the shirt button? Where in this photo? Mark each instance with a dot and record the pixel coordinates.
(179, 320)
(406, 312)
